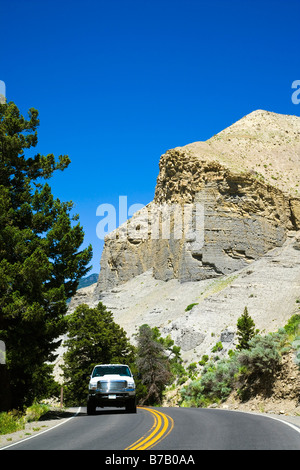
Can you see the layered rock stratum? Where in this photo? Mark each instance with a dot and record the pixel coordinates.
(222, 233)
(226, 202)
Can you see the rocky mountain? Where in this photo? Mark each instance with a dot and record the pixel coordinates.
(88, 280)
(222, 233)
(219, 205)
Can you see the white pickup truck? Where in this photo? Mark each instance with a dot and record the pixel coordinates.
(111, 385)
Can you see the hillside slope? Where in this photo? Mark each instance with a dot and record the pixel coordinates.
(270, 288)
(246, 180)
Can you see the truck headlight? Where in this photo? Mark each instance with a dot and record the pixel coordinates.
(92, 386)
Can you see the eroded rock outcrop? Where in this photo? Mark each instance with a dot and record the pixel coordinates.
(218, 206)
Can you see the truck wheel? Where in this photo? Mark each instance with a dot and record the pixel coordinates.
(131, 406)
(91, 407)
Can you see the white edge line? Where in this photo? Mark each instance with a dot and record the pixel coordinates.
(281, 420)
(264, 415)
(42, 432)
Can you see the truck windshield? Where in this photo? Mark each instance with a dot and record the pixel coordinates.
(100, 371)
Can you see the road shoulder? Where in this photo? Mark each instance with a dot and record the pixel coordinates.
(51, 419)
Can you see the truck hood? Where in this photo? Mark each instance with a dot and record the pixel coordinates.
(110, 377)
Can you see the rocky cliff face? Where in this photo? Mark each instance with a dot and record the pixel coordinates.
(219, 205)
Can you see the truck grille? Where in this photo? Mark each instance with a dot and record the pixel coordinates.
(118, 386)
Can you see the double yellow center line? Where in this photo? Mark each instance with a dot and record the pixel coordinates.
(163, 425)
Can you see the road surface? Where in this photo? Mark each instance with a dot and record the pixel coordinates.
(161, 429)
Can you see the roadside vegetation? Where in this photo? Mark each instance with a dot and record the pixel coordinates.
(15, 420)
(249, 370)
(158, 367)
(157, 363)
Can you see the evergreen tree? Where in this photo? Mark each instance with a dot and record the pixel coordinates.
(245, 330)
(40, 265)
(153, 364)
(173, 354)
(93, 338)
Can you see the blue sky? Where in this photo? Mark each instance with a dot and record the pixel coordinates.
(119, 82)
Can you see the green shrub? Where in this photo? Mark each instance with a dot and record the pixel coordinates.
(248, 370)
(14, 420)
(35, 411)
(189, 307)
(218, 347)
(263, 357)
(182, 380)
(258, 365)
(192, 370)
(204, 360)
(215, 384)
(11, 422)
(292, 327)
(218, 382)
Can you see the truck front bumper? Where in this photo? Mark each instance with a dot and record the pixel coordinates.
(111, 399)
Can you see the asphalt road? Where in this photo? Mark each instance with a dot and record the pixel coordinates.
(172, 429)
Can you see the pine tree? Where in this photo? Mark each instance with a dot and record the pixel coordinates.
(152, 364)
(93, 338)
(245, 330)
(40, 261)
